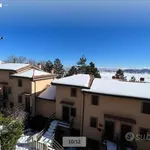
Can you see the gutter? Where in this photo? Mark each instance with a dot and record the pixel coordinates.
(113, 95)
(69, 85)
(82, 118)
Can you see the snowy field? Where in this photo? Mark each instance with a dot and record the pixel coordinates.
(108, 75)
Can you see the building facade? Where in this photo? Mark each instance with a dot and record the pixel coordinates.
(20, 84)
(105, 109)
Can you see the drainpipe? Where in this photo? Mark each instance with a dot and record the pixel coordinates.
(82, 120)
(35, 97)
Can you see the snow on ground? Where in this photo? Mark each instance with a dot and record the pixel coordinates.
(24, 141)
(108, 75)
(111, 145)
(49, 134)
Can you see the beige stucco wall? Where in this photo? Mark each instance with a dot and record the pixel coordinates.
(16, 90)
(63, 93)
(28, 86)
(38, 86)
(45, 107)
(124, 107)
(13, 83)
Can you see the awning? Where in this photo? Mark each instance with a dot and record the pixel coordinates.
(4, 83)
(25, 93)
(67, 103)
(119, 118)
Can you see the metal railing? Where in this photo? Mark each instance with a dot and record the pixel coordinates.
(55, 145)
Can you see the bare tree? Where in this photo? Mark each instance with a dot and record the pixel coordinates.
(14, 113)
(32, 62)
(15, 59)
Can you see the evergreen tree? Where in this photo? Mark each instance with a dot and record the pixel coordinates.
(81, 65)
(133, 79)
(11, 128)
(48, 66)
(119, 74)
(58, 68)
(72, 71)
(92, 69)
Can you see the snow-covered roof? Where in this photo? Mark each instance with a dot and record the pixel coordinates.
(49, 93)
(12, 66)
(30, 73)
(81, 80)
(120, 88)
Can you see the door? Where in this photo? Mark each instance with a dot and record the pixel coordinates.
(65, 113)
(27, 99)
(125, 129)
(5, 93)
(109, 130)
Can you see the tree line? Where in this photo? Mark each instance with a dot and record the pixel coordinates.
(81, 67)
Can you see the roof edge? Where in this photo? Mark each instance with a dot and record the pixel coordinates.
(85, 87)
(139, 98)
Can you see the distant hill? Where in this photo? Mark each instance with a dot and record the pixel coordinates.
(126, 70)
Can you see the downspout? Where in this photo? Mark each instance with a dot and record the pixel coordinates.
(82, 120)
(34, 103)
(35, 97)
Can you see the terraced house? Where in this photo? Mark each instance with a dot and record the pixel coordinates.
(21, 83)
(105, 109)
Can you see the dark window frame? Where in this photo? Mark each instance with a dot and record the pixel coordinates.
(95, 101)
(95, 124)
(147, 110)
(144, 134)
(19, 82)
(9, 90)
(73, 93)
(73, 112)
(20, 99)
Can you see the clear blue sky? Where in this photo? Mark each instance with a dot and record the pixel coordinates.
(110, 33)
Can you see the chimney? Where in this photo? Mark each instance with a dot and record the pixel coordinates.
(39, 65)
(141, 79)
(52, 71)
(91, 79)
(33, 73)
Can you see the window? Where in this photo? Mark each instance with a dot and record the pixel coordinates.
(11, 104)
(73, 92)
(93, 122)
(146, 108)
(9, 90)
(73, 112)
(4, 104)
(94, 100)
(20, 83)
(19, 99)
(144, 132)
